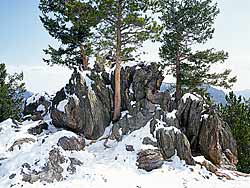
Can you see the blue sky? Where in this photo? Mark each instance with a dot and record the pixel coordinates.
(22, 38)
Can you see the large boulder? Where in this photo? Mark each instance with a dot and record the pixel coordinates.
(149, 159)
(169, 140)
(84, 105)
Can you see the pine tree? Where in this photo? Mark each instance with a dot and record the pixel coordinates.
(12, 90)
(187, 23)
(124, 28)
(237, 114)
(71, 22)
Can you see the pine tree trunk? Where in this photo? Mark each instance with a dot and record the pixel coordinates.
(117, 103)
(84, 57)
(178, 79)
(117, 99)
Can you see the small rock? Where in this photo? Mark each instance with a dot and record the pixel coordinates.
(71, 143)
(20, 142)
(130, 148)
(12, 176)
(149, 159)
(39, 128)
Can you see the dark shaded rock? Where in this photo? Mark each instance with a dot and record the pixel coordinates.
(170, 140)
(129, 124)
(89, 105)
(36, 116)
(166, 142)
(216, 138)
(26, 165)
(39, 128)
(12, 176)
(130, 148)
(71, 143)
(148, 141)
(37, 104)
(149, 159)
(189, 117)
(73, 163)
(139, 82)
(20, 142)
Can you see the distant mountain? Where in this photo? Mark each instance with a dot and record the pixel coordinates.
(27, 94)
(245, 93)
(218, 96)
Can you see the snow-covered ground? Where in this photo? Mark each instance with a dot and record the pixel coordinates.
(102, 167)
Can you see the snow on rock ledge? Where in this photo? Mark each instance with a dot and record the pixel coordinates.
(37, 105)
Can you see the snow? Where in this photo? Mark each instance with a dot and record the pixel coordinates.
(102, 167)
(191, 96)
(204, 116)
(172, 115)
(124, 113)
(61, 105)
(132, 103)
(36, 97)
(41, 108)
(85, 75)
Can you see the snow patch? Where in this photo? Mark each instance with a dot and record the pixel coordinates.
(41, 108)
(36, 97)
(172, 115)
(61, 105)
(85, 75)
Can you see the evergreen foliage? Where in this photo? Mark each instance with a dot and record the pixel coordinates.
(12, 89)
(237, 114)
(131, 20)
(187, 23)
(72, 23)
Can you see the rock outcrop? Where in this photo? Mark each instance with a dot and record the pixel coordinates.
(207, 133)
(141, 97)
(189, 117)
(37, 106)
(84, 105)
(216, 142)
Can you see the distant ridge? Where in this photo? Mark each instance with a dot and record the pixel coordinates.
(218, 96)
(245, 93)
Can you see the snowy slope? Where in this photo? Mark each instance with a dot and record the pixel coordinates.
(102, 167)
